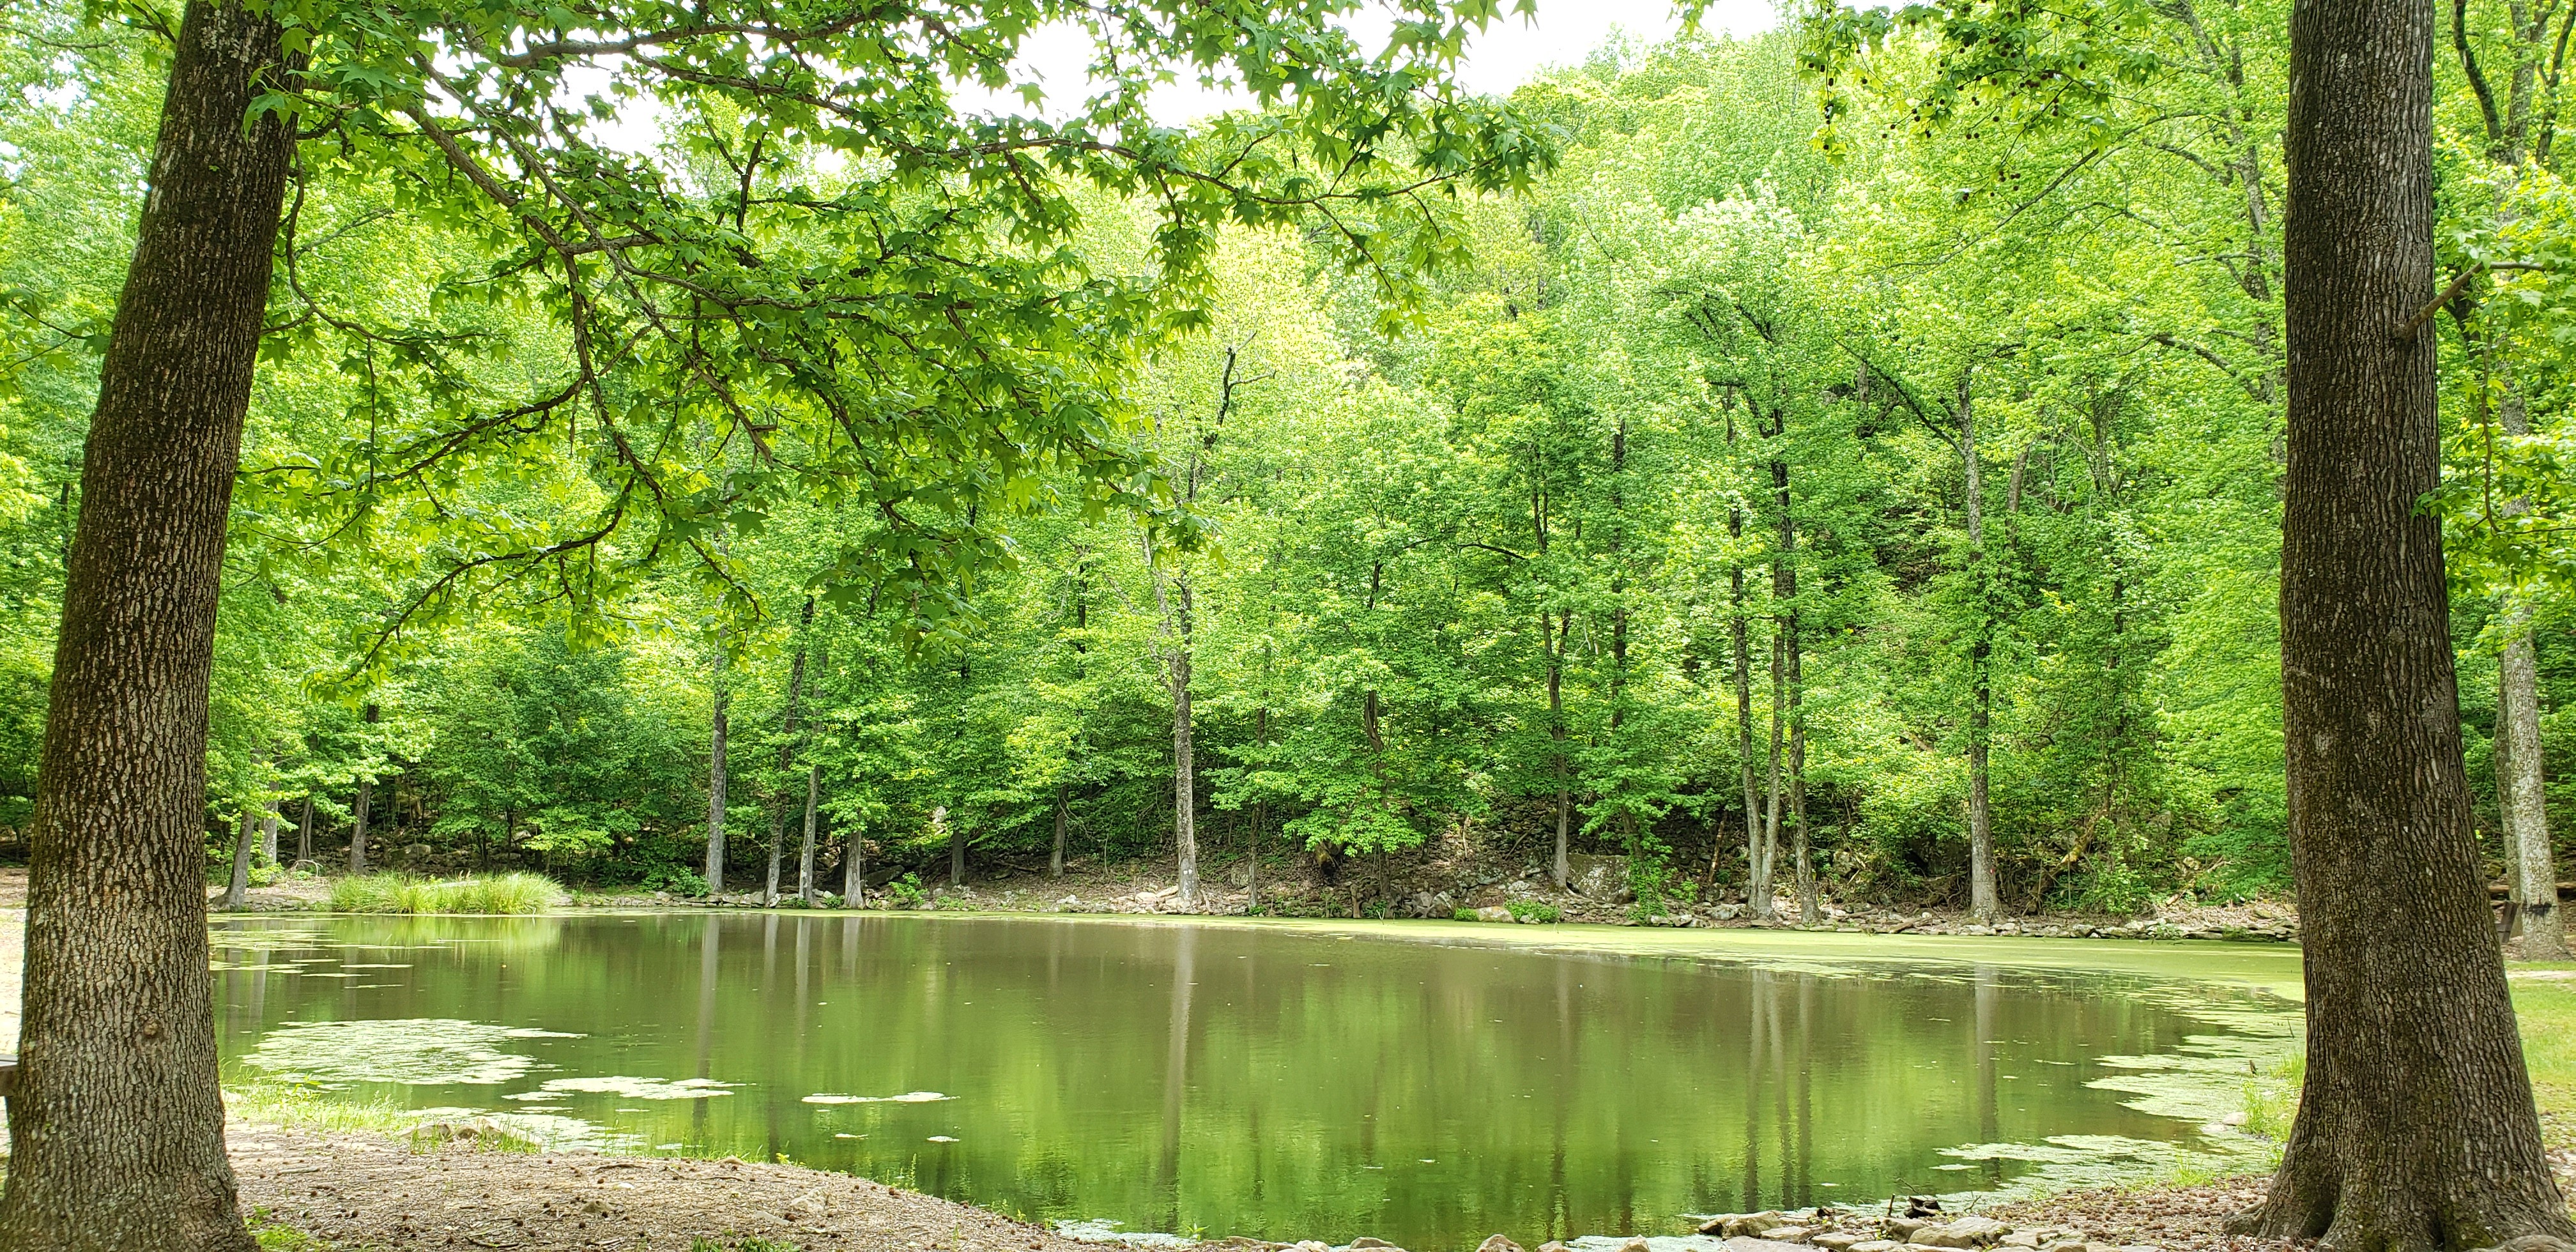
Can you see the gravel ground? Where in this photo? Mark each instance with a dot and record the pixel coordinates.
(375, 1192)
(2175, 1219)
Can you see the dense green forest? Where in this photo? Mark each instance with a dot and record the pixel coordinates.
(1820, 448)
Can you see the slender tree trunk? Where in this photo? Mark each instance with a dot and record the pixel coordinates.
(1560, 869)
(1185, 789)
(304, 831)
(359, 814)
(777, 839)
(1055, 854)
(244, 846)
(787, 746)
(2416, 1128)
(2519, 793)
(1983, 902)
(716, 780)
(956, 852)
(854, 871)
(1172, 601)
(805, 858)
(268, 831)
(116, 1122)
(1757, 860)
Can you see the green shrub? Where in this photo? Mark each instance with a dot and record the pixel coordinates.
(477, 893)
(1462, 915)
(1533, 911)
(678, 880)
(906, 892)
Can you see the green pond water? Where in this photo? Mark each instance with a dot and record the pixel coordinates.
(1425, 1083)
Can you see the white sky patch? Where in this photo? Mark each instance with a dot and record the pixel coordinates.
(1511, 51)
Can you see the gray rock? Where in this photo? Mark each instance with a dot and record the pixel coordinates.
(1786, 1234)
(1494, 913)
(2020, 1239)
(1747, 1225)
(1497, 1243)
(1971, 1231)
(1904, 1227)
(1634, 1244)
(1372, 1241)
(1836, 1241)
(1875, 1245)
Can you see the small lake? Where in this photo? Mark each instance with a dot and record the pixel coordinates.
(1426, 1083)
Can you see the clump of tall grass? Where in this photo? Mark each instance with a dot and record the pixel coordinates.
(475, 893)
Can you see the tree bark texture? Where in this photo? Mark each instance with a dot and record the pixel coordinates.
(304, 831)
(2416, 1128)
(2519, 793)
(268, 832)
(116, 1125)
(245, 846)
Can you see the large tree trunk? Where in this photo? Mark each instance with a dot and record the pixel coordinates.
(116, 1124)
(716, 782)
(2416, 1129)
(1983, 901)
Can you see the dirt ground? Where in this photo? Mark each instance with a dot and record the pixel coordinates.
(2174, 1219)
(374, 1192)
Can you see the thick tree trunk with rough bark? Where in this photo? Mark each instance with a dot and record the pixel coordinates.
(116, 1124)
(2416, 1128)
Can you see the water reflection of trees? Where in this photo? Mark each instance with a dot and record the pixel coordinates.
(1302, 1079)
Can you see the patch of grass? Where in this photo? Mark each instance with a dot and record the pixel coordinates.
(1533, 911)
(293, 1104)
(272, 1236)
(2272, 1099)
(474, 893)
(2547, 1008)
